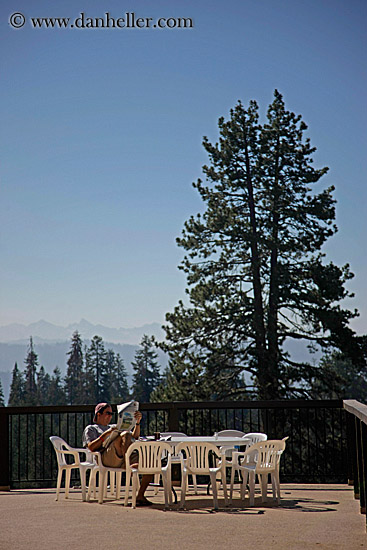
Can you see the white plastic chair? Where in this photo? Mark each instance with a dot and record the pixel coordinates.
(150, 455)
(228, 451)
(174, 460)
(196, 461)
(63, 450)
(252, 438)
(260, 459)
(229, 448)
(255, 438)
(102, 471)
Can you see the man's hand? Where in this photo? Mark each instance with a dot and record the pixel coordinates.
(138, 416)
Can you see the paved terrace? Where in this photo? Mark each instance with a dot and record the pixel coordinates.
(317, 517)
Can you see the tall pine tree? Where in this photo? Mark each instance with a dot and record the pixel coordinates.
(56, 392)
(43, 387)
(116, 389)
(146, 377)
(16, 395)
(255, 271)
(74, 379)
(30, 386)
(95, 365)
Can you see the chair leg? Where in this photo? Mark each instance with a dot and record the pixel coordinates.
(169, 486)
(67, 482)
(82, 472)
(245, 477)
(232, 483)
(127, 487)
(156, 482)
(224, 483)
(264, 487)
(252, 487)
(167, 489)
(183, 487)
(92, 483)
(134, 488)
(118, 485)
(276, 485)
(194, 482)
(97, 481)
(112, 484)
(102, 486)
(58, 486)
(214, 487)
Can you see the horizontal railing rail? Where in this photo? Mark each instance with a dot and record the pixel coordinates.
(316, 449)
(357, 450)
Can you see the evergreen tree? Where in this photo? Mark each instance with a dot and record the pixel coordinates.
(74, 379)
(16, 395)
(120, 389)
(340, 379)
(182, 382)
(96, 370)
(30, 387)
(255, 272)
(110, 376)
(43, 387)
(56, 393)
(2, 397)
(116, 388)
(146, 377)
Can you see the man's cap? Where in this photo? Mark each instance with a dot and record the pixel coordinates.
(98, 409)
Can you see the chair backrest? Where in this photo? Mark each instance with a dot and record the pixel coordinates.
(266, 454)
(231, 433)
(198, 455)
(255, 437)
(150, 455)
(62, 449)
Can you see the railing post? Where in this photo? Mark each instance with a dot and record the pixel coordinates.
(363, 488)
(173, 418)
(4, 451)
(357, 480)
(351, 448)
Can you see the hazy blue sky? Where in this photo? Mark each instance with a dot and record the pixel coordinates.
(101, 136)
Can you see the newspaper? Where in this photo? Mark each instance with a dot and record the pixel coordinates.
(125, 420)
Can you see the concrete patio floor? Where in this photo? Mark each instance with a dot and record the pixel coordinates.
(320, 517)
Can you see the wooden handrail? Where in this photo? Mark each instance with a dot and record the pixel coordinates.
(355, 407)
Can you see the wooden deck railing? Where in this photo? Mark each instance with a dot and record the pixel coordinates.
(316, 450)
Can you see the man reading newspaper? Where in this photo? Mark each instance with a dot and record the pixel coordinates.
(113, 442)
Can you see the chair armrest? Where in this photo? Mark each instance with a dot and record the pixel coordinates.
(249, 455)
(96, 457)
(81, 450)
(236, 456)
(225, 448)
(73, 453)
(168, 465)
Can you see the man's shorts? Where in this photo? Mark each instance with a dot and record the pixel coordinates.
(111, 459)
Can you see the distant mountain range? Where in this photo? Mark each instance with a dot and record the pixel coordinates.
(42, 331)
